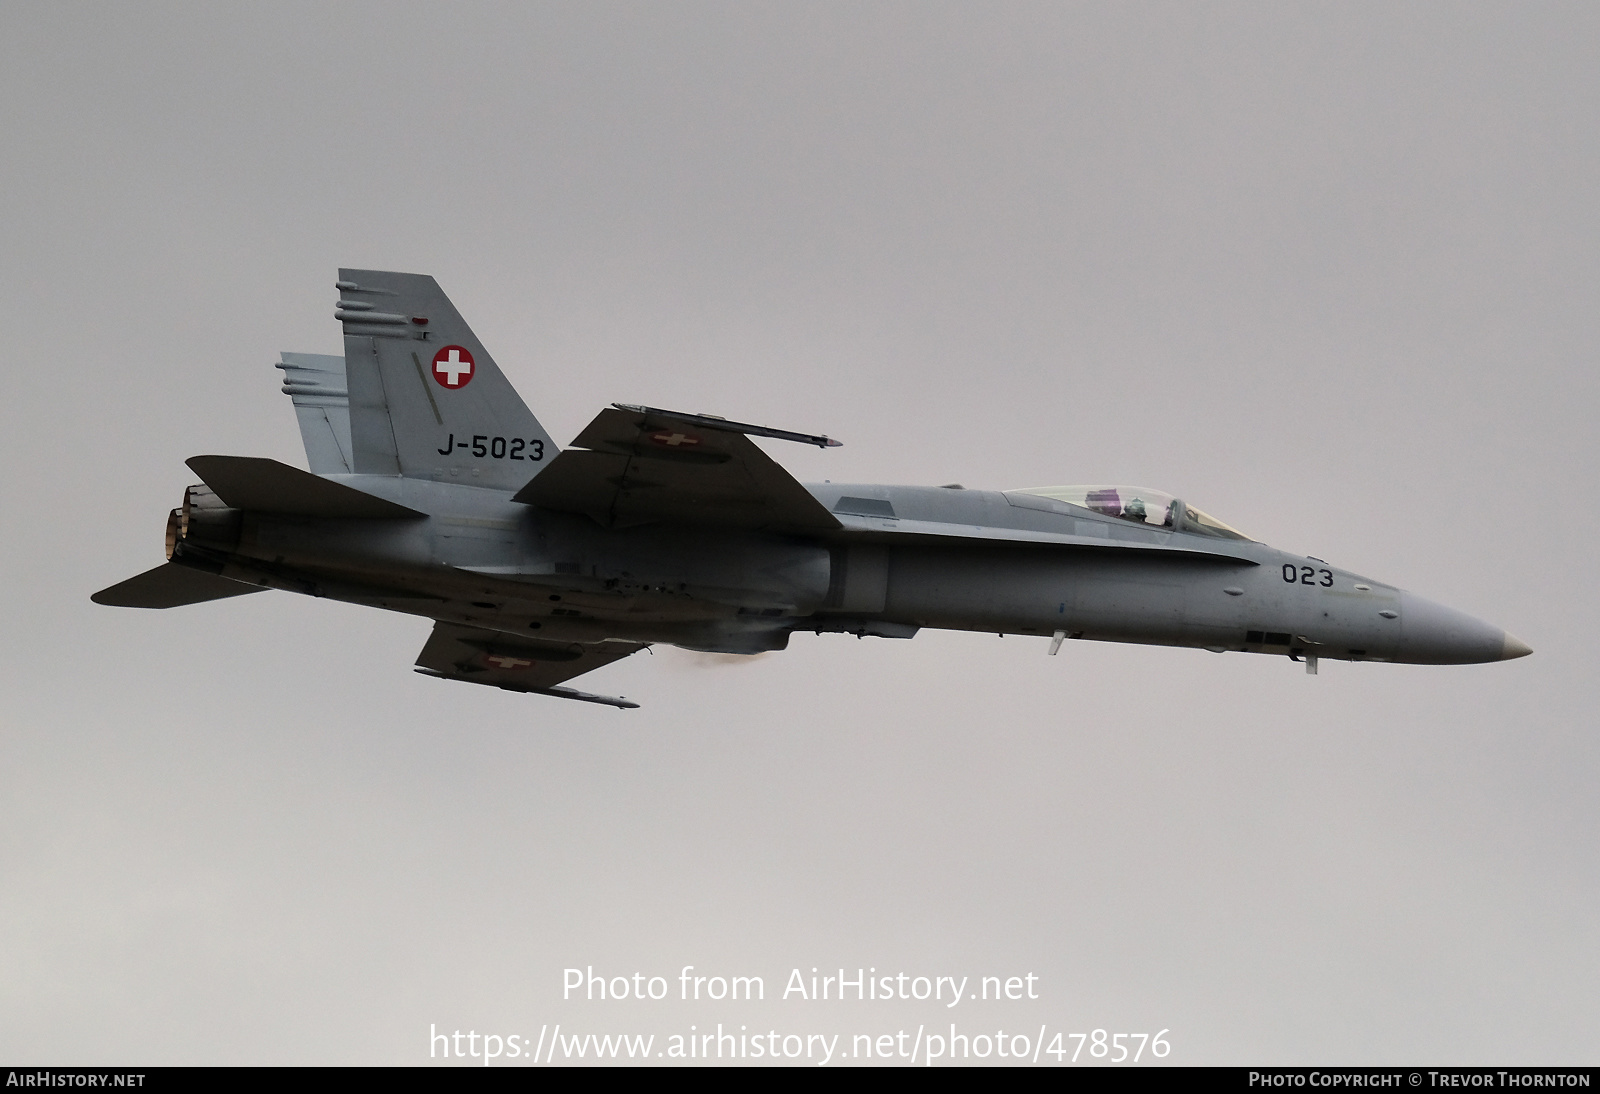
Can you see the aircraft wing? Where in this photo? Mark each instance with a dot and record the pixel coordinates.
(640, 465)
(508, 661)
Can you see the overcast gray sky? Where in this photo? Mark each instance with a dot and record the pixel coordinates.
(1328, 271)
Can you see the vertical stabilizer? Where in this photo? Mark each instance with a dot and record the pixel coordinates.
(315, 381)
(426, 399)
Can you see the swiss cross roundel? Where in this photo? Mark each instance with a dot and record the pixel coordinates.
(452, 367)
(501, 661)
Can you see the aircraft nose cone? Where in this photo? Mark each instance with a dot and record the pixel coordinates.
(1432, 634)
(1514, 647)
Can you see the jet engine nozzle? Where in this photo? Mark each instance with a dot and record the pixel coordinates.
(174, 532)
(202, 521)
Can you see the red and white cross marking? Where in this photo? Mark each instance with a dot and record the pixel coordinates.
(674, 439)
(501, 661)
(452, 367)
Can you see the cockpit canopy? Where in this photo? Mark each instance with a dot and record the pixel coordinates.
(1140, 505)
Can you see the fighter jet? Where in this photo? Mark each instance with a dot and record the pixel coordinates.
(434, 491)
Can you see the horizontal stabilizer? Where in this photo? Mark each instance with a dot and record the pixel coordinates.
(171, 586)
(267, 486)
(481, 656)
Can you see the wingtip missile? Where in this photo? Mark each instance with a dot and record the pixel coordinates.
(713, 421)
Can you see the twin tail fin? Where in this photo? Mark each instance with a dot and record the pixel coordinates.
(425, 399)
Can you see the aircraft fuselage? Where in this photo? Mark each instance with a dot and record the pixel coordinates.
(479, 559)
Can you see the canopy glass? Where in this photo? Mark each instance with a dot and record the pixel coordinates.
(1140, 505)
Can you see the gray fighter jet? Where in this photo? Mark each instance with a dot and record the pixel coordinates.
(434, 491)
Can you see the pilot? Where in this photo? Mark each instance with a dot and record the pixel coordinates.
(1134, 510)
